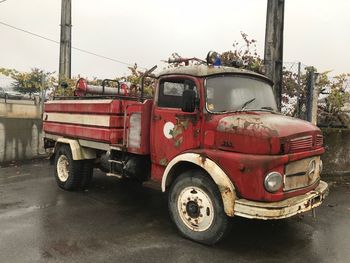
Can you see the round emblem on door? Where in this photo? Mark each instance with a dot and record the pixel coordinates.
(167, 129)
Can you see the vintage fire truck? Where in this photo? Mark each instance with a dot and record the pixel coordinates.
(211, 137)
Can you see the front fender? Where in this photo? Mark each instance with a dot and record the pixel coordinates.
(223, 182)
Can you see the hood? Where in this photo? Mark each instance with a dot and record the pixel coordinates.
(260, 133)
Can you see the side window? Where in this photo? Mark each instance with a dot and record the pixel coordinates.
(170, 92)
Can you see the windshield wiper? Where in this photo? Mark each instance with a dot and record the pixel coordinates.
(267, 108)
(245, 104)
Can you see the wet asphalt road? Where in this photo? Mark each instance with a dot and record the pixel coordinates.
(118, 222)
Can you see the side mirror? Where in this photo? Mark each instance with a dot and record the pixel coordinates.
(188, 100)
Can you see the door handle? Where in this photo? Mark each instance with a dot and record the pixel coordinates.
(157, 117)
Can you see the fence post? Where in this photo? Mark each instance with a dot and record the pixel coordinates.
(42, 95)
(299, 90)
(312, 97)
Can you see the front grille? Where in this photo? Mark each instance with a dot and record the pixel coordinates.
(301, 173)
(319, 140)
(301, 144)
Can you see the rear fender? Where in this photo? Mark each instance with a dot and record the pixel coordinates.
(78, 152)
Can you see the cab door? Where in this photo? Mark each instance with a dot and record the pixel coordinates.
(173, 131)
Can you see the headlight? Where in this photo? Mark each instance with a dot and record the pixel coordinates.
(321, 166)
(273, 182)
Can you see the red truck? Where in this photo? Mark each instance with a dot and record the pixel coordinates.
(211, 137)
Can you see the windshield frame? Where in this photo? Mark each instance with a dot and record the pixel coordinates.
(248, 76)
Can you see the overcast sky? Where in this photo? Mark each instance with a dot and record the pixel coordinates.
(146, 32)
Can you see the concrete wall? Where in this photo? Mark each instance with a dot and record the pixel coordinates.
(20, 110)
(20, 139)
(20, 130)
(336, 160)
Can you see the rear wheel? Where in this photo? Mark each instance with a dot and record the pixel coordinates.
(196, 208)
(71, 174)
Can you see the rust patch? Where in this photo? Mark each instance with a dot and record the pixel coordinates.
(196, 133)
(202, 158)
(252, 126)
(227, 144)
(227, 196)
(208, 117)
(163, 162)
(224, 189)
(242, 168)
(177, 132)
(193, 118)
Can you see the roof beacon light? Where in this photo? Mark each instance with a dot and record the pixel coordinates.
(214, 58)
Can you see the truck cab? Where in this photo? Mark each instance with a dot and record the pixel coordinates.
(211, 138)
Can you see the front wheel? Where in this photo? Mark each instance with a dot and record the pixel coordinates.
(196, 208)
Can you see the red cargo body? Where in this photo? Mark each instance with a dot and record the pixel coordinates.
(105, 121)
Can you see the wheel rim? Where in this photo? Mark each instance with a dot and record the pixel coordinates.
(195, 209)
(63, 168)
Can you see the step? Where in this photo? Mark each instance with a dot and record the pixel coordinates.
(115, 175)
(115, 161)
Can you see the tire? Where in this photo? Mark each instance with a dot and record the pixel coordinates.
(69, 174)
(196, 207)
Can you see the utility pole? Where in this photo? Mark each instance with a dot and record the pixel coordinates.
(273, 55)
(65, 40)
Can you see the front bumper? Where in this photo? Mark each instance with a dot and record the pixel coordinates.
(281, 209)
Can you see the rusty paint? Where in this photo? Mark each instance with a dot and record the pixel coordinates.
(202, 158)
(193, 118)
(204, 70)
(208, 117)
(196, 133)
(242, 167)
(177, 132)
(251, 126)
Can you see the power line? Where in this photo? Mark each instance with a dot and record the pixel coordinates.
(2, 1)
(75, 48)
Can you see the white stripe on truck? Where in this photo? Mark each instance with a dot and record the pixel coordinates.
(78, 101)
(82, 119)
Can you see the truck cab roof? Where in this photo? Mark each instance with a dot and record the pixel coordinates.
(205, 70)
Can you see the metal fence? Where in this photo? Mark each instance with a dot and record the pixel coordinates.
(306, 94)
(294, 90)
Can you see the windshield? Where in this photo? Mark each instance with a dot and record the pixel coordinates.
(235, 93)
